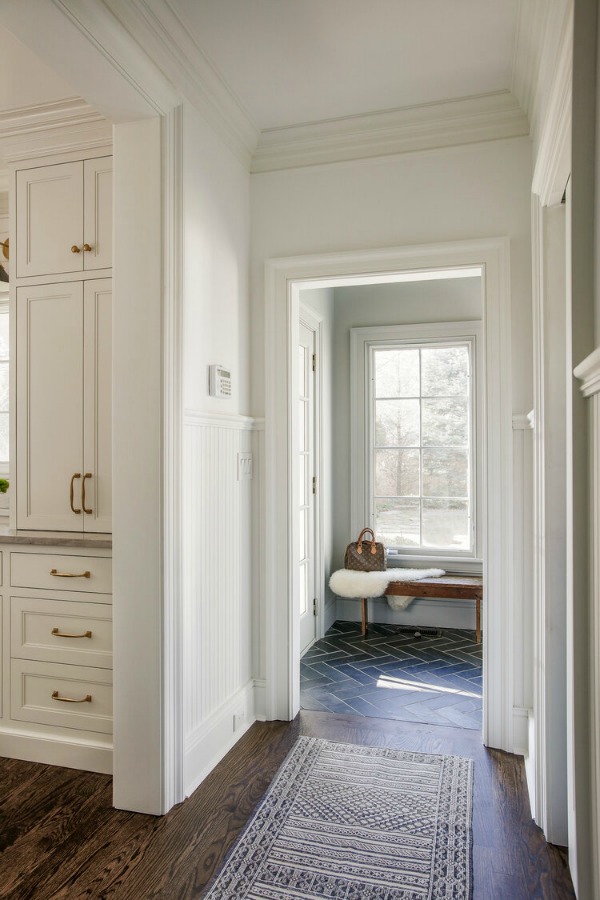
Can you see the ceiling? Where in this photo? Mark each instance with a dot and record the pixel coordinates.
(301, 61)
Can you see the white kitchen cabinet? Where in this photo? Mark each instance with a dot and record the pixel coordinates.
(64, 218)
(56, 652)
(63, 415)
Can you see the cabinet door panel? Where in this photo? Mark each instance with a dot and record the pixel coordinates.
(97, 206)
(49, 212)
(98, 405)
(49, 405)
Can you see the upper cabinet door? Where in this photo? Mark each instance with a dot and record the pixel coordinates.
(64, 218)
(97, 213)
(49, 212)
(49, 414)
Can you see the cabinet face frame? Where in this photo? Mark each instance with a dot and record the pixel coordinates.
(60, 210)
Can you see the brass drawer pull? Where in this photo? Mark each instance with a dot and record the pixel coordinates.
(75, 249)
(87, 248)
(85, 509)
(86, 699)
(76, 475)
(58, 574)
(85, 634)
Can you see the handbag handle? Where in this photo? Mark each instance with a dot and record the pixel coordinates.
(359, 542)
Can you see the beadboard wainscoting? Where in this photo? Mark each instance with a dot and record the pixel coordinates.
(219, 528)
(523, 580)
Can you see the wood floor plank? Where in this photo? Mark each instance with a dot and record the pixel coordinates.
(60, 838)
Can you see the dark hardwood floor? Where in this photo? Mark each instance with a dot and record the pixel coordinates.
(61, 838)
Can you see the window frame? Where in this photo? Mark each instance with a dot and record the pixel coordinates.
(363, 342)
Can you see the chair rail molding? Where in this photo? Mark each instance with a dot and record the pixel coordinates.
(282, 280)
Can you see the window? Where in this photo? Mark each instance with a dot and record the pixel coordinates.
(420, 460)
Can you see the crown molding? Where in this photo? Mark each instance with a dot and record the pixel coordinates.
(531, 28)
(429, 126)
(50, 128)
(169, 42)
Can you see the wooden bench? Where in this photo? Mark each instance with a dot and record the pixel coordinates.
(450, 587)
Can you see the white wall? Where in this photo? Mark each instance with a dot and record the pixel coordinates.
(455, 194)
(217, 533)
(459, 193)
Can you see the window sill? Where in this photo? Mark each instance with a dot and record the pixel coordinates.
(451, 564)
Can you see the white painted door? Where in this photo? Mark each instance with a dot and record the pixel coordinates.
(97, 404)
(307, 487)
(49, 414)
(49, 212)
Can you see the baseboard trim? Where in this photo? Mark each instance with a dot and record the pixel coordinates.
(521, 730)
(215, 737)
(53, 751)
(260, 699)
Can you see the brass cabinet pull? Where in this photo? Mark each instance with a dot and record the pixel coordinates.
(76, 475)
(87, 248)
(75, 249)
(86, 699)
(85, 634)
(85, 509)
(58, 574)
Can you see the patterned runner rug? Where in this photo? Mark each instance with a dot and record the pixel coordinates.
(359, 823)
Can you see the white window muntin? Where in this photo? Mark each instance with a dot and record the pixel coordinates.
(363, 341)
(468, 344)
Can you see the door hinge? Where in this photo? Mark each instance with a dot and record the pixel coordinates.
(314, 484)
(315, 606)
(314, 362)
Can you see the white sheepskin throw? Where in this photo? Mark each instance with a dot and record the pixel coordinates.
(348, 583)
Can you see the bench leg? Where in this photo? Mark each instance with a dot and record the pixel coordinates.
(478, 620)
(365, 617)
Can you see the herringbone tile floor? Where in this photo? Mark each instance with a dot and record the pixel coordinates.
(435, 679)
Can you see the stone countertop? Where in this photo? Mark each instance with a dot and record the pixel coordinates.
(55, 538)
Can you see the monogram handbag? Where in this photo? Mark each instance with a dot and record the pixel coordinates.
(365, 555)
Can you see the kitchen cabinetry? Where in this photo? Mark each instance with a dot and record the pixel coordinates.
(64, 218)
(57, 655)
(64, 406)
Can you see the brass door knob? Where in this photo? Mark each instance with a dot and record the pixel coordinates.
(75, 249)
(87, 248)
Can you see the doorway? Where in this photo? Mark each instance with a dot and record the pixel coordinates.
(285, 279)
(407, 451)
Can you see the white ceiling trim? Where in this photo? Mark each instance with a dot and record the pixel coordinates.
(49, 128)
(472, 119)
(169, 42)
(531, 28)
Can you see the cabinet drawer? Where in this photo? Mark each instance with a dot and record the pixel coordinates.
(36, 689)
(61, 572)
(61, 631)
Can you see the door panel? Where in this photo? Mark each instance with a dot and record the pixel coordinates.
(49, 405)
(306, 469)
(98, 405)
(49, 219)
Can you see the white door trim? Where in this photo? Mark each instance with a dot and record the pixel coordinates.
(283, 277)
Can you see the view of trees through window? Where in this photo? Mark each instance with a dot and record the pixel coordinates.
(422, 446)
